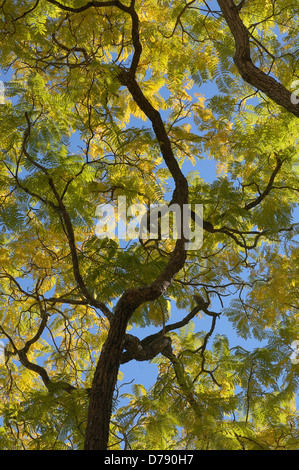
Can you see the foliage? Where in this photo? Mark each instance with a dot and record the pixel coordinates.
(81, 126)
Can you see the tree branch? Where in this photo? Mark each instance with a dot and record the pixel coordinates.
(27, 12)
(22, 353)
(268, 188)
(84, 7)
(63, 213)
(152, 345)
(242, 58)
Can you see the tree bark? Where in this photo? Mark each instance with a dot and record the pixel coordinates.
(104, 381)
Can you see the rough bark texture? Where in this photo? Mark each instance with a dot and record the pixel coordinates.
(105, 377)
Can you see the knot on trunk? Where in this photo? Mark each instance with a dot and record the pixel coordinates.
(146, 349)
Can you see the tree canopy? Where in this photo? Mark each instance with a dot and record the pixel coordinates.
(132, 98)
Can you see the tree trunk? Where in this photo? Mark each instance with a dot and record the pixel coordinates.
(105, 377)
(104, 381)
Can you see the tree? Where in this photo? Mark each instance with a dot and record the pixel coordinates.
(85, 75)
